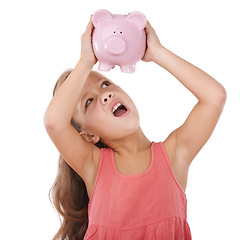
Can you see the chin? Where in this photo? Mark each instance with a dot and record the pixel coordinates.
(132, 126)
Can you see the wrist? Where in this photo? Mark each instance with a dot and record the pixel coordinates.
(158, 57)
(88, 65)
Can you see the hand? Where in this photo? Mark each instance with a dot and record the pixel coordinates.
(87, 54)
(153, 44)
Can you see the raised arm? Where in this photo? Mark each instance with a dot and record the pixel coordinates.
(57, 119)
(184, 143)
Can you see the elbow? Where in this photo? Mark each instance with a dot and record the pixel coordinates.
(220, 97)
(216, 97)
(48, 122)
(51, 123)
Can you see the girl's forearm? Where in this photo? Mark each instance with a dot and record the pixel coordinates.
(62, 105)
(203, 86)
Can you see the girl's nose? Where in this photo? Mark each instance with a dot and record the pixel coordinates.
(106, 97)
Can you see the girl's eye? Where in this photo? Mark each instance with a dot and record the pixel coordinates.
(105, 84)
(88, 102)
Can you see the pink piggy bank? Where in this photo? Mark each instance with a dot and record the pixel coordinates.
(118, 39)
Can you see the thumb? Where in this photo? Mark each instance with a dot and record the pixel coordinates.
(90, 25)
(88, 31)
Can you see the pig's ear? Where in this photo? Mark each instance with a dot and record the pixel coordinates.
(138, 18)
(99, 16)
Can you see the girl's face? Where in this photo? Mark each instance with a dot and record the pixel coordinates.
(105, 110)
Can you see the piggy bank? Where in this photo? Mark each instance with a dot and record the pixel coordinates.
(118, 39)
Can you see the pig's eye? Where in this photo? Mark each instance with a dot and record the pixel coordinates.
(121, 32)
(114, 32)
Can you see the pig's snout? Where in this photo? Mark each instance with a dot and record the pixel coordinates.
(115, 45)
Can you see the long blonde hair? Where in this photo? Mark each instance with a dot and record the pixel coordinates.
(68, 193)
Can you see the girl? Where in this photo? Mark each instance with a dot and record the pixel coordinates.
(114, 183)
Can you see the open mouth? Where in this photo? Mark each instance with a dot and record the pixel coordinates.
(119, 110)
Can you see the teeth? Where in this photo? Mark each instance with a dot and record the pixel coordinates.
(116, 107)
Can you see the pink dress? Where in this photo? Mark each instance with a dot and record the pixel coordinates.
(150, 205)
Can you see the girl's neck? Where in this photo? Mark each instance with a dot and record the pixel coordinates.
(132, 144)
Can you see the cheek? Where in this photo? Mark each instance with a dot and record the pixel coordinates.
(94, 120)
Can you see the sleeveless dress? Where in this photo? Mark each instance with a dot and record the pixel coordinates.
(150, 205)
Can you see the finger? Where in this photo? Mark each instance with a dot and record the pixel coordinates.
(89, 29)
(148, 27)
(90, 24)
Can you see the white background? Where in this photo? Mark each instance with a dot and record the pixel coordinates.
(40, 39)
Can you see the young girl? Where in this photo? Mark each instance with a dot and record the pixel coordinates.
(114, 183)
